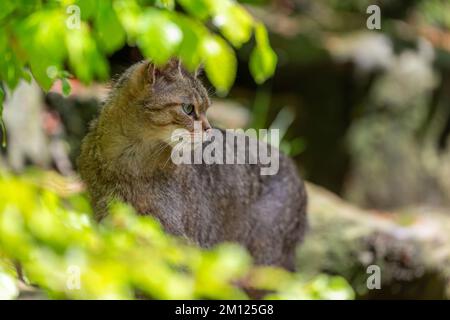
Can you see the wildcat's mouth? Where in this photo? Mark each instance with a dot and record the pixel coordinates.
(200, 136)
(190, 139)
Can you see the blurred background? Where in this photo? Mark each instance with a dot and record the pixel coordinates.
(364, 113)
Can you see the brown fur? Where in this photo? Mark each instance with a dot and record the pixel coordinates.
(126, 156)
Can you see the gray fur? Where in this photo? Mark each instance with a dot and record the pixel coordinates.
(124, 157)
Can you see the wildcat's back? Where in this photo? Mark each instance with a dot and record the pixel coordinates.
(127, 156)
(266, 213)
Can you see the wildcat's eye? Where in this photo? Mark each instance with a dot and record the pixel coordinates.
(187, 108)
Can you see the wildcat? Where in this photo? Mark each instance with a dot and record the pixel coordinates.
(126, 156)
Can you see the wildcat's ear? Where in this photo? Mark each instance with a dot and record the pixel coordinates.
(150, 73)
(144, 73)
(172, 69)
(199, 71)
(174, 65)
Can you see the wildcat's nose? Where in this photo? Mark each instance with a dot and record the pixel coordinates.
(205, 123)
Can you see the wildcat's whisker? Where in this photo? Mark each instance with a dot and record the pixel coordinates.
(160, 150)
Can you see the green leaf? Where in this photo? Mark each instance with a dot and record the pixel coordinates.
(263, 59)
(159, 37)
(129, 14)
(190, 47)
(88, 8)
(165, 4)
(197, 8)
(84, 57)
(109, 31)
(66, 88)
(234, 22)
(39, 71)
(6, 7)
(41, 35)
(220, 63)
(11, 68)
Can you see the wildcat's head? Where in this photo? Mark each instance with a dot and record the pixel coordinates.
(158, 100)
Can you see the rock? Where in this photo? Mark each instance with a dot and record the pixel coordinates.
(411, 247)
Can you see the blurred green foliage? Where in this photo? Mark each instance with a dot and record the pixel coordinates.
(45, 37)
(46, 227)
(436, 12)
